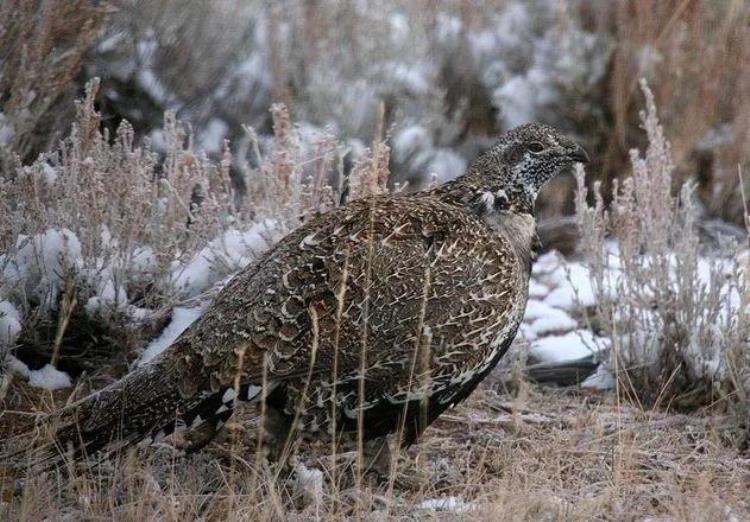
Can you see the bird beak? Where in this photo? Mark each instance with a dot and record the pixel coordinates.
(578, 154)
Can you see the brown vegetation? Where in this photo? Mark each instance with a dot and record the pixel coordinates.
(545, 455)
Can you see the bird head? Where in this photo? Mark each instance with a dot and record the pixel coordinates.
(526, 157)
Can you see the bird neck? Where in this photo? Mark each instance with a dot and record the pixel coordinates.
(507, 208)
(486, 194)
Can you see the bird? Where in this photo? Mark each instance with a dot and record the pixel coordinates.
(366, 321)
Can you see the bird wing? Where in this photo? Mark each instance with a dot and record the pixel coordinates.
(408, 289)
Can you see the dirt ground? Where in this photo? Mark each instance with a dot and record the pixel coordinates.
(543, 454)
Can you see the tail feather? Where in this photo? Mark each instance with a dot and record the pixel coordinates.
(143, 407)
(125, 412)
(215, 410)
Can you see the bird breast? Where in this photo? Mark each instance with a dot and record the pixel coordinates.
(519, 229)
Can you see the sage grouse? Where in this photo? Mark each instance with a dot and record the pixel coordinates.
(376, 316)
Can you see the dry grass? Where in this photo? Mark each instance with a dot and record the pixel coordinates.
(42, 49)
(694, 55)
(547, 455)
(139, 221)
(678, 316)
(334, 62)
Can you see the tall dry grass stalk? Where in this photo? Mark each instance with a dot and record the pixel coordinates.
(332, 62)
(560, 461)
(694, 55)
(42, 49)
(136, 223)
(678, 316)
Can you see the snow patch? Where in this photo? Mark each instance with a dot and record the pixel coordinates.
(309, 482)
(6, 130)
(50, 173)
(10, 324)
(567, 347)
(573, 288)
(42, 261)
(181, 319)
(108, 297)
(536, 309)
(449, 503)
(601, 379)
(555, 321)
(546, 263)
(211, 138)
(527, 332)
(409, 140)
(445, 165)
(143, 260)
(49, 378)
(13, 365)
(227, 254)
(537, 290)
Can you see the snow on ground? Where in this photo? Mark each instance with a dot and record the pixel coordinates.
(556, 321)
(10, 324)
(309, 482)
(40, 261)
(449, 503)
(211, 138)
(537, 290)
(561, 291)
(227, 254)
(6, 130)
(536, 309)
(544, 319)
(601, 379)
(107, 296)
(40, 264)
(567, 347)
(572, 282)
(47, 377)
(50, 173)
(553, 324)
(181, 319)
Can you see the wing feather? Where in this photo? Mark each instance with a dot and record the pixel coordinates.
(418, 286)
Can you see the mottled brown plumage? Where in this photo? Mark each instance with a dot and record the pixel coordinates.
(420, 294)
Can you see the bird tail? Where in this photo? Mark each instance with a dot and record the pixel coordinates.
(141, 408)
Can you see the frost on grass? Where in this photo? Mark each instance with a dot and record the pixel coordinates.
(108, 251)
(677, 316)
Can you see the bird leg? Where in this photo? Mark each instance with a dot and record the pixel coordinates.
(277, 429)
(377, 457)
(378, 461)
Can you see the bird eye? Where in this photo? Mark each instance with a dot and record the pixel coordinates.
(535, 146)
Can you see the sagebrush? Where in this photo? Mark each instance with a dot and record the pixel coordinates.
(677, 314)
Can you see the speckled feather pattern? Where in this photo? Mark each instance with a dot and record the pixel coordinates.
(424, 255)
(429, 287)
